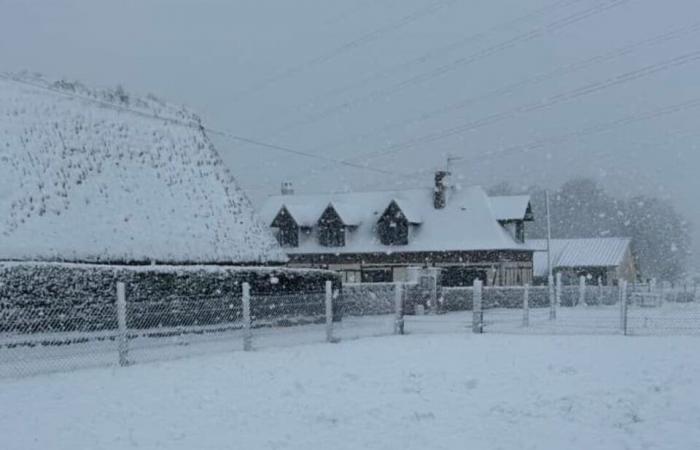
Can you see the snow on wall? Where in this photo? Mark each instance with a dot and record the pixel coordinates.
(80, 181)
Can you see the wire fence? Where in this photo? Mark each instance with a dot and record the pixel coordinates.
(36, 336)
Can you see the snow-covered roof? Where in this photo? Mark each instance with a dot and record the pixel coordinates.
(572, 253)
(81, 180)
(465, 224)
(304, 215)
(350, 214)
(511, 207)
(411, 213)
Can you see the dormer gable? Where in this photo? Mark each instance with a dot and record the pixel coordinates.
(287, 228)
(392, 226)
(512, 212)
(331, 228)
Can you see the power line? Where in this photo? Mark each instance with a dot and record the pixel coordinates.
(587, 89)
(439, 51)
(456, 64)
(585, 132)
(294, 151)
(373, 35)
(191, 124)
(536, 79)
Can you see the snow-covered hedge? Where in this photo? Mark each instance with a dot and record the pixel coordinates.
(48, 297)
(366, 299)
(462, 298)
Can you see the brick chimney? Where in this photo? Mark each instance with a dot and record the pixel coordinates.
(287, 188)
(440, 194)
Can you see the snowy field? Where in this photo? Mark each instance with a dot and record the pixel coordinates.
(450, 391)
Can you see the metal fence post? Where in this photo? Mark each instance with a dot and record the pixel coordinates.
(582, 291)
(329, 311)
(526, 305)
(398, 308)
(623, 307)
(552, 299)
(477, 313)
(123, 345)
(247, 324)
(558, 288)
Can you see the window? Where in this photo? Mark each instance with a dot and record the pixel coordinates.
(331, 231)
(393, 227)
(287, 229)
(462, 275)
(288, 236)
(378, 275)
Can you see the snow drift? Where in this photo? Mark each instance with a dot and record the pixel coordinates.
(86, 175)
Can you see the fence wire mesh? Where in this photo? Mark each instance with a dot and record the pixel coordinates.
(39, 335)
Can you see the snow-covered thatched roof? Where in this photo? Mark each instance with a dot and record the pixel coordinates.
(86, 175)
(578, 253)
(467, 222)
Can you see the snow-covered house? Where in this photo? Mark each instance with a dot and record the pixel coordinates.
(609, 259)
(380, 236)
(91, 176)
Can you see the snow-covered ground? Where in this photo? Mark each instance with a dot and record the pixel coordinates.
(406, 392)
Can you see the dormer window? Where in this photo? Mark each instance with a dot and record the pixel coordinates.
(331, 230)
(512, 212)
(393, 225)
(287, 229)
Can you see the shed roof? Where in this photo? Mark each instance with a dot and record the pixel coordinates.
(573, 253)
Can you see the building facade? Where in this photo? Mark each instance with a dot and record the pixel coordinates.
(387, 236)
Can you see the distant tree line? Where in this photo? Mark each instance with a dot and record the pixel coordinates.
(580, 208)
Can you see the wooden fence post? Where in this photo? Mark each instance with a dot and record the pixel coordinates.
(477, 313)
(247, 323)
(552, 299)
(526, 305)
(329, 311)
(123, 345)
(582, 291)
(398, 309)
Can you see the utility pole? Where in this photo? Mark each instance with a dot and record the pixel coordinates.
(550, 271)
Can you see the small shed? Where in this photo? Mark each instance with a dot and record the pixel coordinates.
(610, 259)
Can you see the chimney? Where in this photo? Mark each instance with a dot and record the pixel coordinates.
(440, 194)
(287, 188)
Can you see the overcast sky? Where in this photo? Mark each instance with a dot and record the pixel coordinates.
(530, 91)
